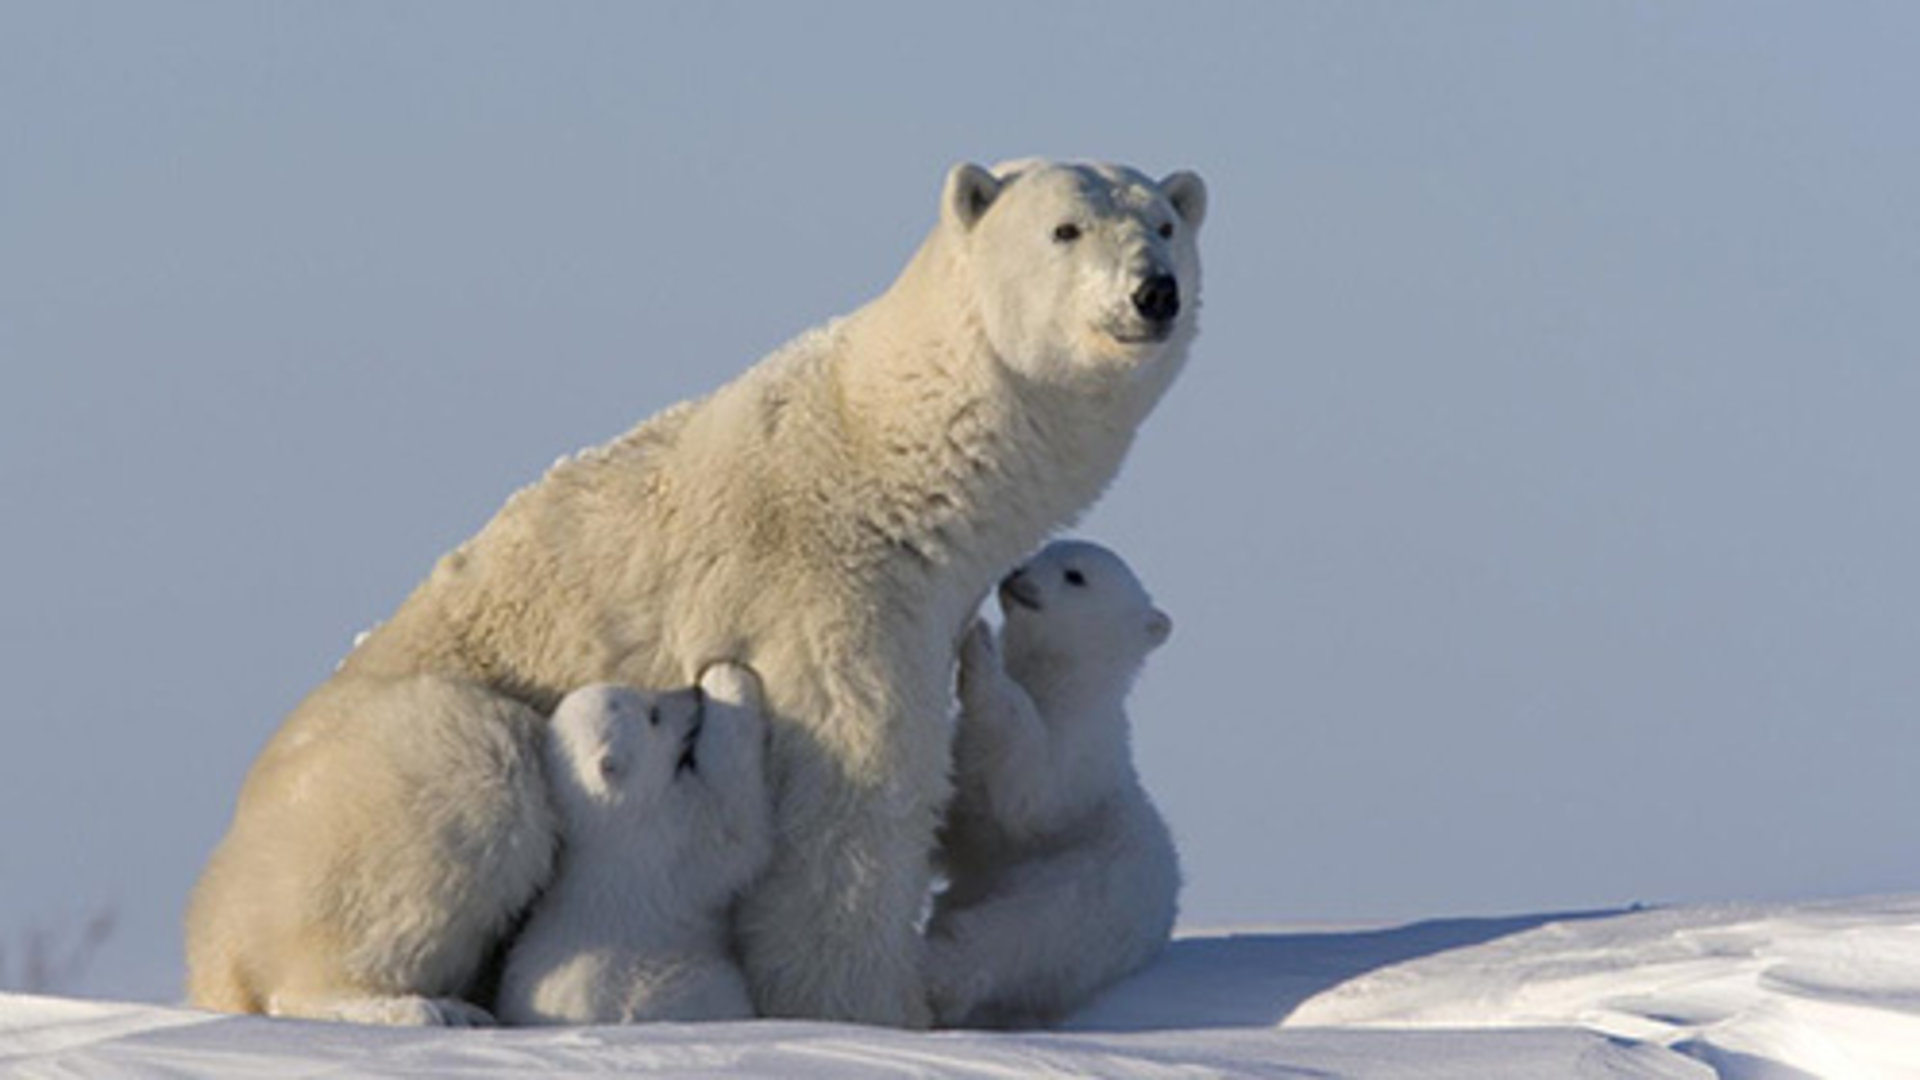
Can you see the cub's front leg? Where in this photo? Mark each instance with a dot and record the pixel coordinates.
(1004, 752)
(731, 768)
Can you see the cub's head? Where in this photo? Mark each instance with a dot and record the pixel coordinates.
(614, 752)
(1077, 608)
(1080, 269)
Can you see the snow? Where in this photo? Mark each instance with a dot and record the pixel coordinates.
(1829, 989)
(1820, 989)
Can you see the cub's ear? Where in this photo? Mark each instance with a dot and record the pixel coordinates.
(970, 191)
(1188, 194)
(1159, 627)
(612, 767)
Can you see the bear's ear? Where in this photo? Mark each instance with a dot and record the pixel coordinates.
(1188, 194)
(970, 191)
(1159, 627)
(612, 767)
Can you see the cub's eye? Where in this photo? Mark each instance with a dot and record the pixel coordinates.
(1166, 231)
(1076, 578)
(1066, 234)
(653, 716)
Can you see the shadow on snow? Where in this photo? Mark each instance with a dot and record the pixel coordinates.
(1257, 980)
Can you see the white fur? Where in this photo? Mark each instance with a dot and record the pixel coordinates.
(654, 852)
(1062, 874)
(831, 519)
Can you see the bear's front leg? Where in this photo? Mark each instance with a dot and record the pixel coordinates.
(828, 932)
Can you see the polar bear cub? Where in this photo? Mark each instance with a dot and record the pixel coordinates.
(1062, 874)
(664, 820)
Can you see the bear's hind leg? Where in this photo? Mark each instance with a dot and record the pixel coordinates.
(404, 1010)
(384, 843)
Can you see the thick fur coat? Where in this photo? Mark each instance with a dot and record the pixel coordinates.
(1062, 874)
(830, 519)
(664, 819)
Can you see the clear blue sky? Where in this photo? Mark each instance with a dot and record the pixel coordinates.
(1538, 511)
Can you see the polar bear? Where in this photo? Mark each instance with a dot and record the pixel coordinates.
(831, 519)
(664, 818)
(1062, 875)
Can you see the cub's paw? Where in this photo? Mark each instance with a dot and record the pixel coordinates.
(731, 683)
(980, 665)
(979, 649)
(733, 724)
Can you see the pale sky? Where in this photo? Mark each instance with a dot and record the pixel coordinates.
(1536, 512)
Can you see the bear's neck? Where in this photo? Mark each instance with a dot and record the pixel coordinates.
(965, 463)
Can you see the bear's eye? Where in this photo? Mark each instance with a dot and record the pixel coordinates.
(1166, 231)
(653, 716)
(1066, 233)
(1076, 578)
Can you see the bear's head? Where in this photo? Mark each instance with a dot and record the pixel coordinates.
(1076, 609)
(615, 753)
(1080, 270)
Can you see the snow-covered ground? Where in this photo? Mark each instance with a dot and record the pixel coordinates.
(1826, 989)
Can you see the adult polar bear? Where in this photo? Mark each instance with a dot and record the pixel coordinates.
(831, 518)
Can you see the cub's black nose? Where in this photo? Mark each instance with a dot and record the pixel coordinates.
(1158, 298)
(1019, 589)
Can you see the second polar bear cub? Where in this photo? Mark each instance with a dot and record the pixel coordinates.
(1062, 875)
(665, 818)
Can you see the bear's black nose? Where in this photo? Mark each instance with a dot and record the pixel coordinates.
(1158, 298)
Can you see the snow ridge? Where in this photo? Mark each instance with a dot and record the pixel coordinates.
(1829, 990)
